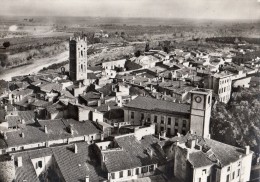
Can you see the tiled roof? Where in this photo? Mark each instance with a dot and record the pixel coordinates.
(151, 104)
(57, 129)
(74, 167)
(40, 103)
(213, 149)
(134, 153)
(51, 86)
(14, 118)
(22, 92)
(199, 159)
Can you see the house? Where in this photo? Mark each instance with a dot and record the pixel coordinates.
(131, 156)
(111, 65)
(67, 163)
(198, 159)
(172, 117)
(47, 133)
(221, 84)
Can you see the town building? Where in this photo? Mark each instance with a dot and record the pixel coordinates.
(172, 117)
(78, 58)
(221, 84)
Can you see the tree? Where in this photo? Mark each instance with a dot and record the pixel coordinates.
(147, 47)
(6, 44)
(137, 53)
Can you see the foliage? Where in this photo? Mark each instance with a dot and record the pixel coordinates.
(239, 119)
(6, 44)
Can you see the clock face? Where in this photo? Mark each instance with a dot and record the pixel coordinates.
(198, 99)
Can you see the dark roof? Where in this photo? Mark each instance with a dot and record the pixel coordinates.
(151, 104)
(199, 159)
(134, 153)
(73, 167)
(14, 118)
(57, 129)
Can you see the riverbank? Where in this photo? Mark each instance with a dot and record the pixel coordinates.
(35, 67)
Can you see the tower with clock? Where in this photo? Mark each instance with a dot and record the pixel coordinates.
(200, 112)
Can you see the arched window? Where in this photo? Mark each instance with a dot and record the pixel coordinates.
(81, 53)
(81, 67)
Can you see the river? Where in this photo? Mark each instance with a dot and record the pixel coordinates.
(35, 67)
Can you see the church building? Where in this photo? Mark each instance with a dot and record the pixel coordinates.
(78, 58)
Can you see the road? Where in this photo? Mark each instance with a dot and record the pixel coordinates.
(35, 67)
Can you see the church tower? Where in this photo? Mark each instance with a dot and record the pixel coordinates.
(200, 112)
(78, 58)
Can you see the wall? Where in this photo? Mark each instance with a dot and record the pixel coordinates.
(46, 162)
(7, 170)
(98, 116)
(201, 176)
(140, 132)
(242, 83)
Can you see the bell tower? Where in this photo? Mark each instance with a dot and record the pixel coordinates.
(200, 112)
(78, 58)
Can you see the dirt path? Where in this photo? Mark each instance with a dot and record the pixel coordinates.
(36, 66)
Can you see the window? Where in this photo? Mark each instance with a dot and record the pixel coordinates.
(137, 171)
(209, 100)
(233, 175)
(162, 119)
(132, 115)
(129, 172)
(113, 175)
(238, 172)
(239, 163)
(142, 116)
(176, 123)
(175, 131)
(121, 174)
(184, 123)
(204, 171)
(144, 169)
(199, 180)
(169, 121)
(151, 168)
(13, 149)
(208, 178)
(227, 180)
(162, 128)
(183, 132)
(155, 119)
(228, 169)
(22, 148)
(169, 131)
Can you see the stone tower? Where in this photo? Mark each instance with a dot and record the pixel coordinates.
(78, 58)
(200, 112)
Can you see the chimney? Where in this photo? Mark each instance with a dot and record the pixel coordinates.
(71, 130)
(5, 136)
(177, 143)
(99, 103)
(162, 79)
(247, 150)
(75, 148)
(87, 179)
(102, 136)
(19, 161)
(45, 129)
(102, 96)
(191, 144)
(22, 135)
(108, 108)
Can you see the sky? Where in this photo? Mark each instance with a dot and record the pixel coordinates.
(198, 9)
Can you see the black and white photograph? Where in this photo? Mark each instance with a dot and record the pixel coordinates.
(129, 90)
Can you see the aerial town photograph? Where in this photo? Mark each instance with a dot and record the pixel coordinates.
(130, 91)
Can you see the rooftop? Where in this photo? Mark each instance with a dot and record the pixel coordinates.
(152, 104)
